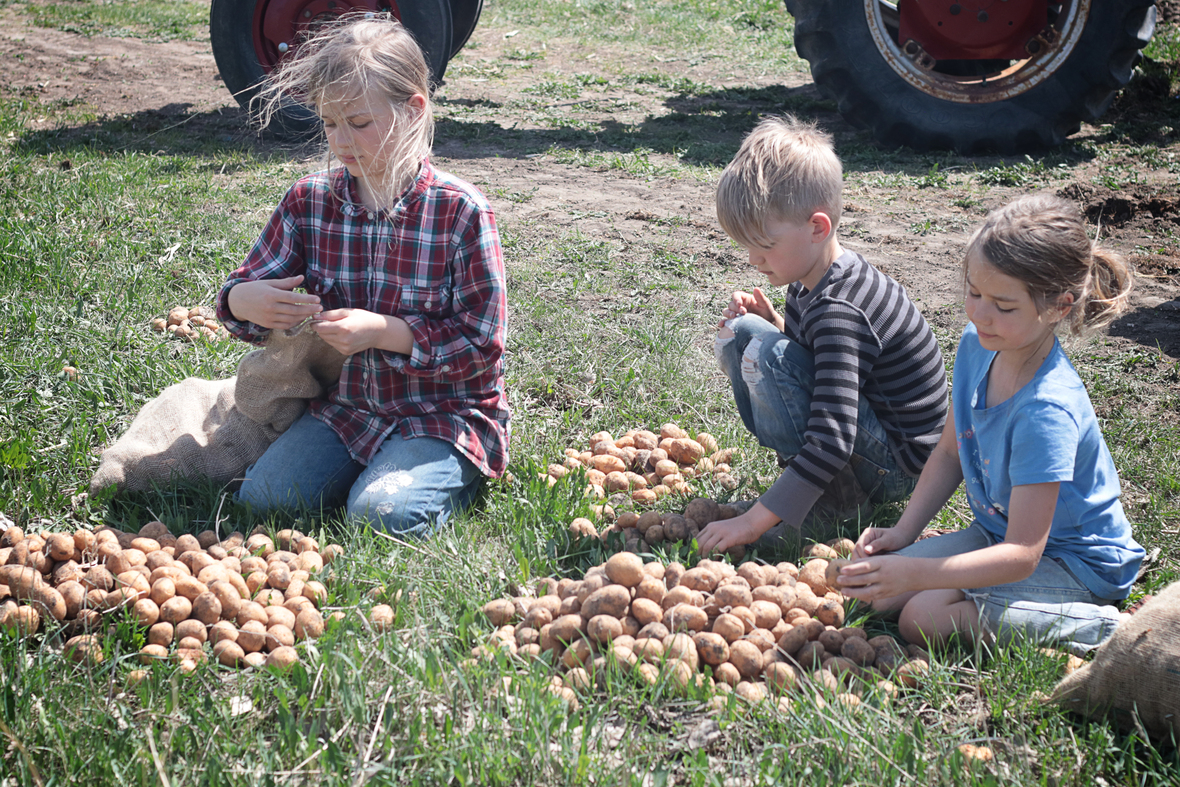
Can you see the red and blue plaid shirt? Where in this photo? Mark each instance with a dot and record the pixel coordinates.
(433, 260)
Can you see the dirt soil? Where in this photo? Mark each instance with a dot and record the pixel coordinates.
(157, 84)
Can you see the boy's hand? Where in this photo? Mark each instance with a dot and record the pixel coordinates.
(272, 303)
(744, 528)
(751, 303)
(876, 540)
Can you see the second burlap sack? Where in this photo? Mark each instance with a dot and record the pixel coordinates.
(1135, 675)
(215, 429)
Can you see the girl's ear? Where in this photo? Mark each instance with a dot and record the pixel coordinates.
(1064, 304)
(417, 102)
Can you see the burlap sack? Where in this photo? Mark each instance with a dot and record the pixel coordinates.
(1134, 673)
(202, 429)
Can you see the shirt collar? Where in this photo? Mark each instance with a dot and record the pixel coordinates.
(352, 202)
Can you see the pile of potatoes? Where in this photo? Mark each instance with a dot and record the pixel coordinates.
(644, 530)
(758, 631)
(193, 323)
(245, 599)
(645, 465)
(650, 528)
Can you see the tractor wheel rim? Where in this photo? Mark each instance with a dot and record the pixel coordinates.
(279, 23)
(1018, 77)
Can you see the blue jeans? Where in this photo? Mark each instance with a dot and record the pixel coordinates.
(1051, 607)
(773, 380)
(411, 487)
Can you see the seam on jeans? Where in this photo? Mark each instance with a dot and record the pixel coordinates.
(1019, 605)
(752, 363)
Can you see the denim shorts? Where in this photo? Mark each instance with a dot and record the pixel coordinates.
(1051, 607)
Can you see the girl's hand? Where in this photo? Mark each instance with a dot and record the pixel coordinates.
(876, 578)
(272, 303)
(876, 540)
(350, 330)
(750, 303)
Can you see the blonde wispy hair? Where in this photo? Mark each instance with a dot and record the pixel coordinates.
(785, 170)
(364, 57)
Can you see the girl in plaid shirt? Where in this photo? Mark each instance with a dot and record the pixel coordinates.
(401, 270)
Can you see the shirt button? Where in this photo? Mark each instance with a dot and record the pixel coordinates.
(446, 368)
(428, 304)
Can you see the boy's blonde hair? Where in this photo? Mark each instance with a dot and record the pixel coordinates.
(786, 170)
(1041, 241)
(368, 57)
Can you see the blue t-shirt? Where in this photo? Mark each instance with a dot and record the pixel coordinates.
(1044, 433)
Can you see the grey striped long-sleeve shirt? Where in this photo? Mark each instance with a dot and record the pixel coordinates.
(867, 338)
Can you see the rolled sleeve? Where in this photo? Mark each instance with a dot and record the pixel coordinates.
(277, 254)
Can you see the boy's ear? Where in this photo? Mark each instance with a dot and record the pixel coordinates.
(821, 226)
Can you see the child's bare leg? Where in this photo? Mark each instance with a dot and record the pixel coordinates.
(894, 604)
(934, 615)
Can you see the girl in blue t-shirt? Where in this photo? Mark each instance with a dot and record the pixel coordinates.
(1050, 549)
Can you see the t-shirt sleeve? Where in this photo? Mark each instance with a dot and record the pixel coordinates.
(1044, 445)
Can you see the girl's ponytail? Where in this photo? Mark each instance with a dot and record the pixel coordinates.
(1109, 291)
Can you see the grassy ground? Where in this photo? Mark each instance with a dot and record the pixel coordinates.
(101, 230)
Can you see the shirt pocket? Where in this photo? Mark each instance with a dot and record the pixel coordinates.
(425, 301)
(316, 280)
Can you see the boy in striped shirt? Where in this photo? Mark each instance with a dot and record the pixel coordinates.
(847, 384)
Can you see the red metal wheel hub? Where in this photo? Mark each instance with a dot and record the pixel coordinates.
(973, 29)
(281, 25)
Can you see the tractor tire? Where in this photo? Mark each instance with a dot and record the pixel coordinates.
(464, 17)
(1027, 105)
(244, 61)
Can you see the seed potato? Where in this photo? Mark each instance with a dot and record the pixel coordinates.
(282, 659)
(746, 658)
(685, 617)
(381, 617)
(646, 611)
(625, 569)
(610, 600)
(681, 647)
(603, 628)
(830, 613)
(499, 611)
(712, 648)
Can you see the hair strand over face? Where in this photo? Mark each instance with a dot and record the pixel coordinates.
(371, 59)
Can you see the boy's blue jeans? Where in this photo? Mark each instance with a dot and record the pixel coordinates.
(410, 488)
(773, 380)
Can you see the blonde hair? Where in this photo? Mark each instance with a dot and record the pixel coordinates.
(370, 57)
(786, 170)
(1041, 240)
